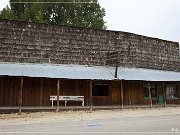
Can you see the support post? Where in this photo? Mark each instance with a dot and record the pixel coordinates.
(58, 83)
(164, 94)
(122, 104)
(90, 95)
(110, 99)
(150, 98)
(179, 91)
(2, 90)
(20, 96)
(116, 70)
(41, 92)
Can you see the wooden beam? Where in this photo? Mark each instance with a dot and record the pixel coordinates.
(20, 96)
(150, 98)
(164, 94)
(129, 94)
(41, 92)
(2, 90)
(122, 98)
(110, 94)
(58, 84)
(90, 95)
(179, 92)
(116, 70)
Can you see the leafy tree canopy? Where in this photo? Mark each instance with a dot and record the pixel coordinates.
(80, 13)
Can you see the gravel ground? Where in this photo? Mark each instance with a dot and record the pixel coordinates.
(35, 117)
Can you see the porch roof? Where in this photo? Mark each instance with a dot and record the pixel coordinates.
(86, 72)
(57, 71)
(147, 74)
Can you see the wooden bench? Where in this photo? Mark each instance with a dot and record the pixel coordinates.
(67, 98)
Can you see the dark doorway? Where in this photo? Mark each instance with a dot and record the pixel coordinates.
(101, 90)
(101, 94)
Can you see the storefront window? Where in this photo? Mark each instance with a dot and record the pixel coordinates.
(146, 91)
(172, 91)
(153, 89)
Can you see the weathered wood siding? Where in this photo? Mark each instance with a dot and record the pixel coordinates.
(133, 93)
(116, 92)
(172, 101)
(9, 90)
(36, 92)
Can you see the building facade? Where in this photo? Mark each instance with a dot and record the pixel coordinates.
(108, 68)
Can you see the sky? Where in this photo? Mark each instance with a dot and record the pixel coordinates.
(154, 18)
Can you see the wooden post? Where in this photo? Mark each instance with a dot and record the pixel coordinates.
(150, 99)
(122, 104)
(179, 91)
(58, 84)
(110, 93)
(20, 96)
(116, 70)
(2, 90)
(90, 95)
(164, 94)
(41, 92)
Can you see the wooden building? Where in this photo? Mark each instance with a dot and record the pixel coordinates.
(108, 68)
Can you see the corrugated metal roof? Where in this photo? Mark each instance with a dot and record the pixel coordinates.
(147, 74)
(57, 71)
(85, 72)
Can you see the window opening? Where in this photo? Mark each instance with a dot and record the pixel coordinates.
(101, 90)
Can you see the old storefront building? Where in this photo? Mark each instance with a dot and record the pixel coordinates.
(97, 67)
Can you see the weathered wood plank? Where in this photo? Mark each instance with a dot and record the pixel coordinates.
(20, 95)
(122, 94)
(90, 90)
(2, 90)
(150, 99)
(164, 94)
(58, 86)
(41, 92)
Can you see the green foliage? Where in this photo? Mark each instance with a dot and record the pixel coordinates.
(6, 13)
(80, 13)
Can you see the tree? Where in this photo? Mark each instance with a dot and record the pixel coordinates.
(6, 13)
(80, 13)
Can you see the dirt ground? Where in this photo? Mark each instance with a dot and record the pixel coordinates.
(35, 117)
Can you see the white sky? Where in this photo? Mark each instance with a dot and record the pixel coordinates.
(155, 18)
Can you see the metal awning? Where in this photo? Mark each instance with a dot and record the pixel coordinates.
(147, 74)
(66, 71)
(57, 71)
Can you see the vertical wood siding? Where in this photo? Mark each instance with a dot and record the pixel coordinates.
(36, 92)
